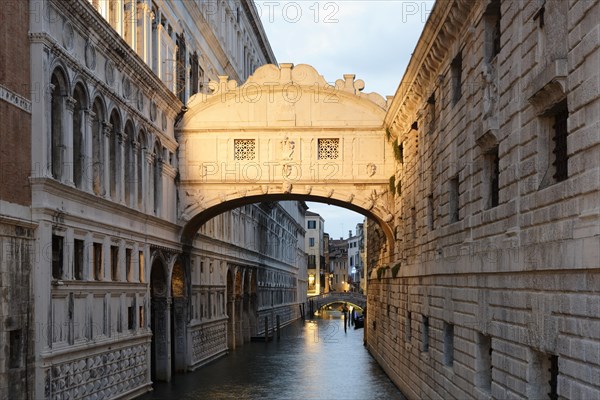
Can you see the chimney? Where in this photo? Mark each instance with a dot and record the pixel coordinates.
(349, 233)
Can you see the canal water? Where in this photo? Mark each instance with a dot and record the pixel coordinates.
(312, 360)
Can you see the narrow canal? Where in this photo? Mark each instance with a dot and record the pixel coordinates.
(312, 360)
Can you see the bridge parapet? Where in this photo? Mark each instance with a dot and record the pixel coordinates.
(338, 297)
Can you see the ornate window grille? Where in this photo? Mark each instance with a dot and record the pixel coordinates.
(329, 149)
(244, 149)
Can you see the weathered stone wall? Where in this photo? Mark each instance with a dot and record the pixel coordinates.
(495, 298)
(17, 324)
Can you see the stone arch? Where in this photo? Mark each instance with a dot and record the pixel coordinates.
(230, 309)
(59, 91)
(141, 161)
(114, 153)
(160, 319)
(156, 173)
(179, 309)
(129, 167)
(98, 126)
(80, 116)
(202, 211)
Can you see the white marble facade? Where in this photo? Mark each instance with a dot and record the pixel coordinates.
(110, 270)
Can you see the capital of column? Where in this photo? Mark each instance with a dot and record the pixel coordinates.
(121, 136)
(107, 128)
(70, 103)
(150, 157)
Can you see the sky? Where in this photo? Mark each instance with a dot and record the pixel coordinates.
(372, 39)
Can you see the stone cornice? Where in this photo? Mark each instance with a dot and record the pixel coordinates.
(441, 30)
(88, 20)
(259, 31)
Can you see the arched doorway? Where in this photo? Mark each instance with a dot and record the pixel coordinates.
(179, 318)
(159, 322)
(230, 311)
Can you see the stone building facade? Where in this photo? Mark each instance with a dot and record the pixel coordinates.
(494, 289)
(316, 268)
(100, 296)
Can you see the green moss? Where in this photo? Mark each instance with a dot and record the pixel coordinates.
(388, 134)
(398, 153)
(393, 184)
(399, 189)
(395, 270)
(381, 272)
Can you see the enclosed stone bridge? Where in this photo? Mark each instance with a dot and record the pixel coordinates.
(285, 134)
(322, 300)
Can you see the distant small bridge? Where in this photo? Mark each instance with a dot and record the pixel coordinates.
(357, 299)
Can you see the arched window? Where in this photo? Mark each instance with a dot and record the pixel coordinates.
(114, 170)
(98, 148)
(140, 163)
(130, 176)
(57, 144)
(157, 171)
(78, 135)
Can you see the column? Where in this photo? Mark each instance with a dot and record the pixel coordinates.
(149, 177)
(88, 157)
(67, 172)
(107, 130)
(134, 178)
(120, 169)
(143, 34)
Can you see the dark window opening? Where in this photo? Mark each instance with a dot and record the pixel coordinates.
(131, 318)
(312, 224)
(425, 334)
(408, 332)
(430, 216)
(194, 74)
(114, 262)
(453, 200)
(561, 157)
(432, 114)
(180, 59)
(484, 362)
(78, 259)
(98, 261)
(492, 167)
(16, 348)
(456, 74)
(553, 394)
(57, 256)
(128, 266)
(448, 344)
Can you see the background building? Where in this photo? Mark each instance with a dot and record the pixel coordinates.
(338, 258)
(314, 249)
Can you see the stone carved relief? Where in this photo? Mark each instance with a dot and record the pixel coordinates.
(102, 376)
(287, 149)
(90, 55)
(490, 90)
(109, 72)
(163, 122)
(126, 88)
(68, 35)
(152, 111)
(371, 169)
(208, 341)
(193, 198)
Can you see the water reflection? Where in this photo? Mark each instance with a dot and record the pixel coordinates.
(313, 360)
